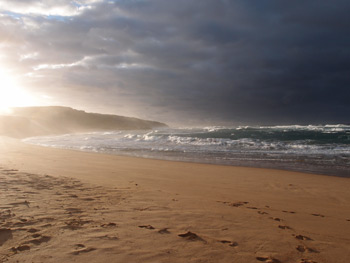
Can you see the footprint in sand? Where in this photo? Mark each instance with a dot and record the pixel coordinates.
(303, 260)
(147, 227)
(20, 248)
(262, 213)
(164, 231)
(191, 236)
(74, 210)
(82, 249)
(77, 246)
(230, 243)
(33, 230)
(317, 215)
(6, 214)
(22, 222)
(87, 199)
(284, 227)
(26, 203)
(303, 249)
(5, 234)
(276, 219)
(38, 241)
(268, 259)
(301, 237)
(290, 212)
(236, 204)
(76, 224)
(109, 237)
(109, 225)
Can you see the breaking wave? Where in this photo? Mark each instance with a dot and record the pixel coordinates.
(311, 148)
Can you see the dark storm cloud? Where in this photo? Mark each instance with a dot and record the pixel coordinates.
(192, 61)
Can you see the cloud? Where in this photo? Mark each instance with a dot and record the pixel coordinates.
(50, 8)
(186, 61)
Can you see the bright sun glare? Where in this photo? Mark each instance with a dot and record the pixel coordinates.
(11, 93)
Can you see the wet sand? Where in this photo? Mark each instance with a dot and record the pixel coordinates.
(68, 206)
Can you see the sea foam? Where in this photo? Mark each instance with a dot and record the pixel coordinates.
(312, 148)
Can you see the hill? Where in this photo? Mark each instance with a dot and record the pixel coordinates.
(38, 121)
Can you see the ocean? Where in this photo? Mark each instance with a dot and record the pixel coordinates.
(321, 149)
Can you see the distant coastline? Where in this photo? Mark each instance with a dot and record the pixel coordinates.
(39, 121)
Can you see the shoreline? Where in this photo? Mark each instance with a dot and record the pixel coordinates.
(190, 162)
(99, 208)
(260, 164)
(303, 149)
(9, 143)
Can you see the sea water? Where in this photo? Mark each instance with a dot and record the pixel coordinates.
(323, 149)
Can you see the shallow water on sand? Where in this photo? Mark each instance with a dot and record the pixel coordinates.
(323, 149)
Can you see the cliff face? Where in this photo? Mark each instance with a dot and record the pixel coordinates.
(36, 121)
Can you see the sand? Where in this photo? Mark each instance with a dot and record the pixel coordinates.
(69, 206)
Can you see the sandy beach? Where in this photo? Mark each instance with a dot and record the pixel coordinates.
(69, 206)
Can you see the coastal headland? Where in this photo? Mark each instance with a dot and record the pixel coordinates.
(25, 122)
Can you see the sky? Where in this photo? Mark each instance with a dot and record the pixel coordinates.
(183, 62)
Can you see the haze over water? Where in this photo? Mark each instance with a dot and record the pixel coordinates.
(323, 149)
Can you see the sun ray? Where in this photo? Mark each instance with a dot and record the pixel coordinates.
(11, 93)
